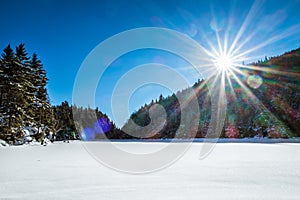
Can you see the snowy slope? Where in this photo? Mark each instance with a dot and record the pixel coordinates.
(232, 171)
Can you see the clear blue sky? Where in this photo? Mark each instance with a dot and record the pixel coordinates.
(63, 32)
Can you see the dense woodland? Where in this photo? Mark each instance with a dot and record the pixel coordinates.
(25, 104)
(275, 113)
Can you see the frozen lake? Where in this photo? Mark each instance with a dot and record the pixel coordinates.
(231, 171)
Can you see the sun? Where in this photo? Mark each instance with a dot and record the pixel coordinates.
(223, 62)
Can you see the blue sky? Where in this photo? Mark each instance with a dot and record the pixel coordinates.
(63, 32)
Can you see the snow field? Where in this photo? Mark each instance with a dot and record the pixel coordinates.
(231, 171)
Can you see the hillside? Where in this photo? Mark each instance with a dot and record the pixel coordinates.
(269, 105)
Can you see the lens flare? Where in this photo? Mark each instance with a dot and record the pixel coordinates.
(102, 125)
(88, 134)
(254, 81)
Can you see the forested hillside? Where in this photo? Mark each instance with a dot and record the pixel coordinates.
(274, 82)
(89, 124)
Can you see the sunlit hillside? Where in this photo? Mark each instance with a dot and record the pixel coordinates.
(263, 100)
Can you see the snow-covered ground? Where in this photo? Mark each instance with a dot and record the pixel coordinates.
(231, 171)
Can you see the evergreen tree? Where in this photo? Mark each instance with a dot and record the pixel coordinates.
(2, 86)
(23, 95)
(12, 95)
(43, 114)
(27, 82)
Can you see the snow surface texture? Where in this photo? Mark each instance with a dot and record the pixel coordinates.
(231, 171)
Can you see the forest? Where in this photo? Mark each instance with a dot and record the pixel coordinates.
(276, 116)
(26, 111)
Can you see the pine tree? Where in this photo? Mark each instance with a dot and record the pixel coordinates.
(27, 82)
(43, 113)
(2, 86)
(12, 95)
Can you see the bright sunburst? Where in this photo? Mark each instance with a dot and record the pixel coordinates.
(234, 80)
(224, 62)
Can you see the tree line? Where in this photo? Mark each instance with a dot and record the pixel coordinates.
(24, 102)
(72, 122)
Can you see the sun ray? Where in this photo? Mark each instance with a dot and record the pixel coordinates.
(225, 43)
(290, 31)
(239, 71)
(269, 70)
(251, 14)
(231, 87)
(213, 51)
(245, 41)
(217, 32)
